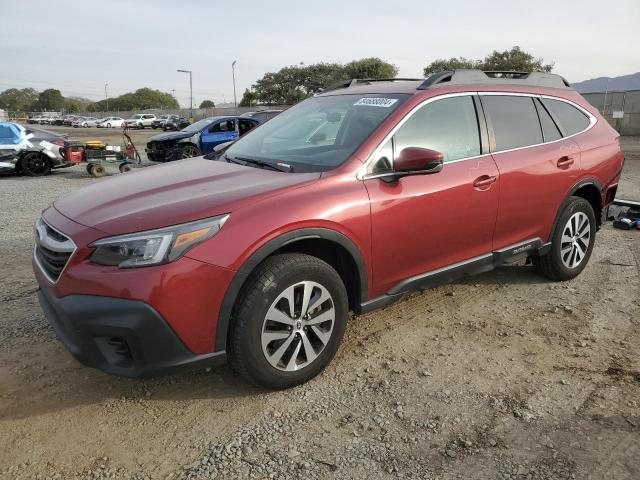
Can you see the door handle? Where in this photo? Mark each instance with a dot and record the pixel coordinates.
(484, 181)
(564, 162)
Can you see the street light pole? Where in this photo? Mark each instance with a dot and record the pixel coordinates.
(233, 73)
(106, 97)
(190, 88)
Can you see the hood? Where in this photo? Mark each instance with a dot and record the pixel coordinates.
(171, 136)
(177, 192)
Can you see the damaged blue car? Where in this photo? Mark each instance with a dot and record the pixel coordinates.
(199, 138)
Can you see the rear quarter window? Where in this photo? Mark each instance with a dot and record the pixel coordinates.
(570, 118)
(514, 119)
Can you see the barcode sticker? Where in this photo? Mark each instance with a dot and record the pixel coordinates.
(376, 102)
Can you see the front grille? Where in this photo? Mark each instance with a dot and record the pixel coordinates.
(53, 250)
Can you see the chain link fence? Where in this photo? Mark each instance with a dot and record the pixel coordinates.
(621, 109)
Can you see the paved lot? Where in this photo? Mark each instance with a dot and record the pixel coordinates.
(503, 375)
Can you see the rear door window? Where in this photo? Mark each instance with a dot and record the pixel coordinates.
(514, 119)
(224, 126)
(550, 131)
(570, 118)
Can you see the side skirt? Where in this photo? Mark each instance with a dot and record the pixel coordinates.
(473, 266)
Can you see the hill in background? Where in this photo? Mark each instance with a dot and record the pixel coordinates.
(603, 84)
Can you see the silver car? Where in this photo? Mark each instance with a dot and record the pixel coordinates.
(85, 122)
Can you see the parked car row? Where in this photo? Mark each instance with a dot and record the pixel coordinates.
(139, 120)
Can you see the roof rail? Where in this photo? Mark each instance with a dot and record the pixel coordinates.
(351, 82)
(494, 77)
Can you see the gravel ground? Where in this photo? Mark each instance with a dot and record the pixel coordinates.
(504, 376)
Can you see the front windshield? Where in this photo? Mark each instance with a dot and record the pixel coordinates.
(196, 127)
(319, 133)
(136, 117)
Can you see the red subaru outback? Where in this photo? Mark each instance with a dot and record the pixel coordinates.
(347, 201)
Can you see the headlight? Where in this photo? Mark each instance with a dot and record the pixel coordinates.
(155, 246)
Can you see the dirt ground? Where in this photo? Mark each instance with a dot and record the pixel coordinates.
(504, 375)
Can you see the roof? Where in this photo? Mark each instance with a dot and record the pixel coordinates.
(449, 78)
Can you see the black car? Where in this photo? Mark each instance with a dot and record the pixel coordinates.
(263, 115)
(159, 121)
(174, 122)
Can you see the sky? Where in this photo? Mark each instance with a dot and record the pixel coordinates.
(79, 45)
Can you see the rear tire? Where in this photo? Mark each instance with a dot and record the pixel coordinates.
(572, 242)
(270, 347)
(96, 170)
(35, 164)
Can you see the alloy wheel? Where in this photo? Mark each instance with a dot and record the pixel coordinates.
(36, 165)
(188, 152)
(575, 240)
(298, 326)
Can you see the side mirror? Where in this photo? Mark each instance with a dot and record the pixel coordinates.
(415, 161)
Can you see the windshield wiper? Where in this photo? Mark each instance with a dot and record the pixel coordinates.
(231, 160)
(261, 163)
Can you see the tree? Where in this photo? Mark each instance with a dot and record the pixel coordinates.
(509, 60)
(51, 99)
(248, 98)
(297, 82)
(18, 100)
(442, 64)
(141, 99)
(207, 104)
(370, 68)
(516, 60)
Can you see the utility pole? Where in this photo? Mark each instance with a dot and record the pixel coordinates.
(190, 89)
(106, 97)
(233, 73)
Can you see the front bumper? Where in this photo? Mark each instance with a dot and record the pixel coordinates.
(169, 154)
(120, 336)
(7, 167)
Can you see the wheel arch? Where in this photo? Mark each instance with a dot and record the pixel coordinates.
(591, 190)
(329, 245)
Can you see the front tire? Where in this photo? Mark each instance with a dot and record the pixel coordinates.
(189, 151)
(572, 242)
(288, 321)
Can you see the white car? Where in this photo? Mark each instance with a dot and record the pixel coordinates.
(140, 120)
(110, 122)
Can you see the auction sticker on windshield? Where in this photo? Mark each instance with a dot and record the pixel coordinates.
(376, 102)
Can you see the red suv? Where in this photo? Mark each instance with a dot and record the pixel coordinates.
(347, 201)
